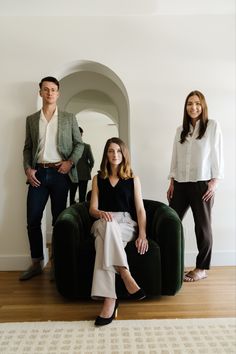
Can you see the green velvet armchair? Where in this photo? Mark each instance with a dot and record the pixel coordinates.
(158, 272)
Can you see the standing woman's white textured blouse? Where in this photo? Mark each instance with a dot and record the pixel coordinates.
(198, 159)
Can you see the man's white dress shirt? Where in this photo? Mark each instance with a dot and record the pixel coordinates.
(48, 151)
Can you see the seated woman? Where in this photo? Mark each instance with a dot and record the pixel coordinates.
(116, 202)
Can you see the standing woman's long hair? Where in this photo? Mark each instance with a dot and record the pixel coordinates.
(187, 119)
(124, 168)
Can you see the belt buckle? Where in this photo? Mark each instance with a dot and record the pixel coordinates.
(45, 165)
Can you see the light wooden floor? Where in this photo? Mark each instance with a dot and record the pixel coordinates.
(38, 300)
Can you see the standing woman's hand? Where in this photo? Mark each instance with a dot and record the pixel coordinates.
(170, 190)
(212, 185)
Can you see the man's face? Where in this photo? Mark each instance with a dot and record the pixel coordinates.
(49, 92)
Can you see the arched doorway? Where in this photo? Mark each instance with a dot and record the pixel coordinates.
(98, 116)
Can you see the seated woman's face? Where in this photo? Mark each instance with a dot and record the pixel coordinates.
(114, 154)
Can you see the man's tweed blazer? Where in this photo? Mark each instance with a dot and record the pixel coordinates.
(69, 141)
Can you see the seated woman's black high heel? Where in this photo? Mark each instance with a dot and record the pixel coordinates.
(102, 321)
(138, 295)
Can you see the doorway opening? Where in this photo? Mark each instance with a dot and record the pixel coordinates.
(97, 129)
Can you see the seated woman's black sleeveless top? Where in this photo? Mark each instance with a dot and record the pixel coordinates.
(117, 198)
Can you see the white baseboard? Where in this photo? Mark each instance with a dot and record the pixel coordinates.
(19, 262)
(219, 258)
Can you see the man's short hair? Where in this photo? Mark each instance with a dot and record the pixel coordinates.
(50, 79)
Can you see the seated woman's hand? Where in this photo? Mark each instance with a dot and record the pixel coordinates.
(142, 244)
(105, 215)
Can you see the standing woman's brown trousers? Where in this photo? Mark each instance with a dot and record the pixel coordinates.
(189, 194)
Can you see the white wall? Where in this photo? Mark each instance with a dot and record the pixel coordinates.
(159, 59)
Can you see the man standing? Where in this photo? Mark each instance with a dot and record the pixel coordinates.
(84, 168)
(53, 146)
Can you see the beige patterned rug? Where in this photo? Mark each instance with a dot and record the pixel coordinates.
(216, 335)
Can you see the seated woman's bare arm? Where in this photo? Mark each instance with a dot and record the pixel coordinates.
(141, 242)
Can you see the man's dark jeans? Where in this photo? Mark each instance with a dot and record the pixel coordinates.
(54, 185)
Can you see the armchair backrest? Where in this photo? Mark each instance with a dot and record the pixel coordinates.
(155, 210)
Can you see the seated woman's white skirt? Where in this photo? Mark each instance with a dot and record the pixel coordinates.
(110, 240)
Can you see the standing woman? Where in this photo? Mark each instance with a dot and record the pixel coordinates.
(196, 167)
(117, 203)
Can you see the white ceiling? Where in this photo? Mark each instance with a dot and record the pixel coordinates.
(114, 7)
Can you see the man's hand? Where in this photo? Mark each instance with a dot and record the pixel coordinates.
(64, 166)
(31, 178)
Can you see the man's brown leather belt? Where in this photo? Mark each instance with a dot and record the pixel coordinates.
(49, 165)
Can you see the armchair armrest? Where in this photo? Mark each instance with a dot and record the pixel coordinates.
(167, 230)
(71, 234)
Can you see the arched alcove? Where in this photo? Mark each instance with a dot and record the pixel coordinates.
(93, 100)
(93, 86)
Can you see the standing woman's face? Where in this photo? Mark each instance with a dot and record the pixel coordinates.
(114, 154)
(194, 107)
